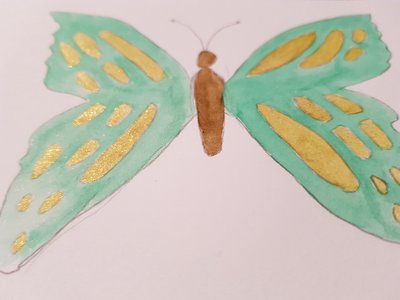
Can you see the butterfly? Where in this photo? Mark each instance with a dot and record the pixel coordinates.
(290, 94)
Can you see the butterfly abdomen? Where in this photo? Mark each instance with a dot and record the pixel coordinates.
(208, 94)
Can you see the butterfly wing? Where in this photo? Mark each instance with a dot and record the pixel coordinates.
(339, 144)
(138, 100)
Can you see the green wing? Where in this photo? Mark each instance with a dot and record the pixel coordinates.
(138, 100)
(339, 144)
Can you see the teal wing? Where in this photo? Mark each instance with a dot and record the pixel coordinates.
(340, 145)
(137, 101)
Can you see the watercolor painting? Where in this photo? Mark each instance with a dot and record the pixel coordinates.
(293, 95)
(290, 94)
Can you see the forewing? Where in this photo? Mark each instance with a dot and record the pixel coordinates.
(338, 144)
(338, 53)
(138, 100)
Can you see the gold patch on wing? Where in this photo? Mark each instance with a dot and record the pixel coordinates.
(352, 142)
(359, 35)
(144, 62)
(19, 243)
(284, 54)
(376, 134)
(121, 147)
(327, 52)
(344, 104)
(83, 153)
(90, 114)
(119, 114)
(395, 173)
(116, 72)
(353, 54)
(396, 212)
(48, 158)
(87, 45)
(70, 55)
(316, 153)
(87, 82)
(50, 202)
(24, 203)
(312, 109)
(380, 185)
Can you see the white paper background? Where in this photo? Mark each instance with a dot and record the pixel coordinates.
(236, 226)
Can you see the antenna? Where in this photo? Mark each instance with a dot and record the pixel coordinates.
(190, 28)
(219, 30)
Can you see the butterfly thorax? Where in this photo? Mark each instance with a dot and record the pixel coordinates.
(208, 94)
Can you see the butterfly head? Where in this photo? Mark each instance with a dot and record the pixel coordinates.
(206, 59)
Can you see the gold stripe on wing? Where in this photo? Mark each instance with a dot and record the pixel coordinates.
(396, 212)
(70, 55)
(380, 185)
(327, 52)
(312, 109)
(87, 45)
(121, 147)
(284, 54)
(83, 152)
(50, 202)
(135, 55)
(48, 158)
(376, 134)
(316, 153)
(344, 104)
(90, 114)
(19, 243)
(24, 203)
(353, 54)
(352, 142)
(359, 35)
(87, 82)
(395, 173)
(116, 72)
(119, 114)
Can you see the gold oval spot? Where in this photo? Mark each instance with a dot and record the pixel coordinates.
(396, 212)
(83, 153)
(284, 54)
(48, 158)
(152, 69)
(90, 114)
(359, 35)
(87, 45)
(344, 104)
(87, 82)
(376, 134)
(50, 202)
(316, 153)
(380, 185)
(327, 52)
(395, 173)
(119, 114)
(121, 147)
(24, 203)
(70, 55)
(352, 142)
(19, 243)
(353, 54)
(312, 109)
(116, 72)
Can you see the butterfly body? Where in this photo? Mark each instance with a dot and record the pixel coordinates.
(208, 94)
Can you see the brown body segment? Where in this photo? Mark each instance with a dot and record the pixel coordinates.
(208, 94)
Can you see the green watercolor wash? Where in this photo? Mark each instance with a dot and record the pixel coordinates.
(365, 208)
(174, 110)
